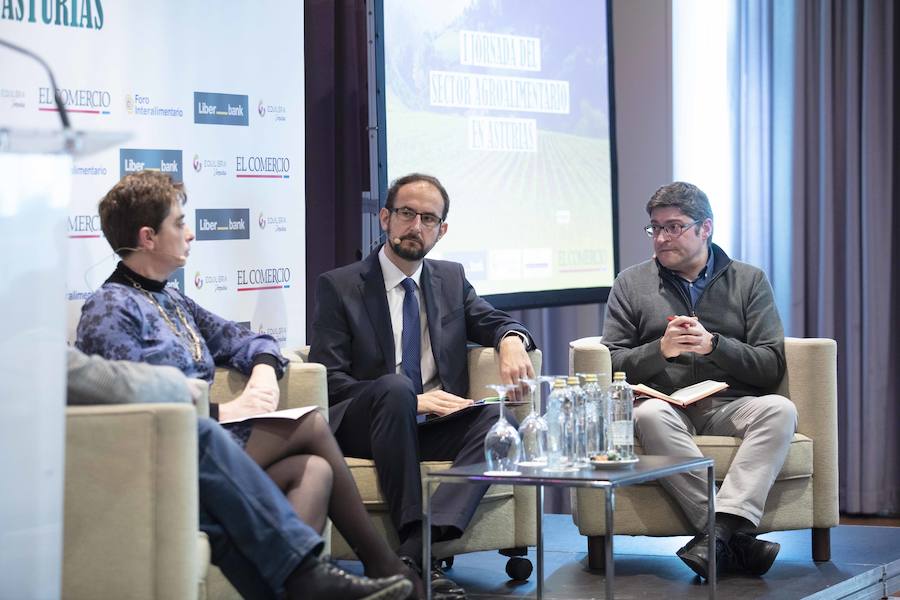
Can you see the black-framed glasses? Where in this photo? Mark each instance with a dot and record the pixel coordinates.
(408, 215)
(673, 230)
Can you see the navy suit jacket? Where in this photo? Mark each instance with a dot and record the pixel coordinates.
(352, 334)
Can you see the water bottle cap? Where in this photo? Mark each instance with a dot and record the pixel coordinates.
(590, 378)
(619, 376)
(572, 380)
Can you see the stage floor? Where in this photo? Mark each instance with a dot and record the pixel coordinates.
(865, 564)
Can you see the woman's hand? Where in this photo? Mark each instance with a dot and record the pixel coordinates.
(259, 396)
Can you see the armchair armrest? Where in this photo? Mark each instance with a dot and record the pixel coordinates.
(130, 528)
(303, 384)
(484, 370)
(589, 355)
(811, 383)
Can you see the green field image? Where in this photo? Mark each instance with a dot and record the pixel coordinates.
(567, 173)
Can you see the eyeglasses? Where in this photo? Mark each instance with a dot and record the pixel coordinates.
(408, 215)
(673, 230)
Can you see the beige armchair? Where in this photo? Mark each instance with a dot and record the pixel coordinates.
(131, 524)
(805, 493)
(505, 519)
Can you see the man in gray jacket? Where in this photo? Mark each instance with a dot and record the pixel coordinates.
(691, 314)
(257, 539)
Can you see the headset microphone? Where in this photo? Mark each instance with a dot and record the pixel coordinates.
(396, 241)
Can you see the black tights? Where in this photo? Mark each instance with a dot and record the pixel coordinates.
(304, 460)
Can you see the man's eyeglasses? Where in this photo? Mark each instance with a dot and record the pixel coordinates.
(673, 230)
(408, 215)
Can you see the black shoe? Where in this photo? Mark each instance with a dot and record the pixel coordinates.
(326, 580)
(442, 587)
(695, 554)
(750, 555)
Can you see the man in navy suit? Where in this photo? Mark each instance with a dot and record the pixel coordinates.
(392, 331)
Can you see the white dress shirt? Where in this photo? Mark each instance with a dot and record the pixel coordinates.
(393, 278)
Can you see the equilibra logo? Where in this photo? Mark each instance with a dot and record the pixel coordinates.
(87, 14)
(133, 160)
(216, 167)
(221, 109)
(12, 98)
(279, 333)
(262, 167)
(84, 227)
(217, 283)
(82, 101)
(223, 224)
(277, 112)
(277, 224)
(142, 106)
(271, 278)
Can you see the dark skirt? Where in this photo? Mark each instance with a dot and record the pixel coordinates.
(240, 432)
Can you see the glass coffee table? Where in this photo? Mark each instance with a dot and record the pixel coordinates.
(606, 478)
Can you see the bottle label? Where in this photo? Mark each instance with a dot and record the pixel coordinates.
(623, 433)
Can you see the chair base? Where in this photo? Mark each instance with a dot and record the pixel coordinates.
(821, 544)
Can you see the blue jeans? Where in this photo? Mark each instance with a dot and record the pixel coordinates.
(256, 537)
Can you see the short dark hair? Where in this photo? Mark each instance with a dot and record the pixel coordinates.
(684, 196)
(413, 178)
(141, 199)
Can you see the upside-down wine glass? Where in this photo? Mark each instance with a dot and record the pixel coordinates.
(533, 429)
(501, 444)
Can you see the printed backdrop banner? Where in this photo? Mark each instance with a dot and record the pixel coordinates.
(211, 95)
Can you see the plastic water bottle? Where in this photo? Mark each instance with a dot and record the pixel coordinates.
(595, 415)
(621, 430)
(556, 455)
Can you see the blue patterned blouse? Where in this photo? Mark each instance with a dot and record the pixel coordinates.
(120, 322)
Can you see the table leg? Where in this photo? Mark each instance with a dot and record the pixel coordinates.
(610, 529)
(539, 551)
(711, 528)
(426, 538)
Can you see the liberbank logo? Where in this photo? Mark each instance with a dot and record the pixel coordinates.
(87, 14)
(221, 109)
(134, 160)
(265, 278)
(223, 224)
(262, 167)
(176, 281)
(83, 101)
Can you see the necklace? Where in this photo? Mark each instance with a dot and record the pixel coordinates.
(193, 344)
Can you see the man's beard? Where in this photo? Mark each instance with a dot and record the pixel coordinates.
(409, 254)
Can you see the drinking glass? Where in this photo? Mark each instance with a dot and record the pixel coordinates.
(533, 429)
(502, 443)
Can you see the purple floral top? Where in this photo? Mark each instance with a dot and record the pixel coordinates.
(119, 322)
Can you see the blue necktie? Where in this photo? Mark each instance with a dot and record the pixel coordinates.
(411, 337)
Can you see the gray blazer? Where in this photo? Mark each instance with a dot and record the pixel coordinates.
(95, 380)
